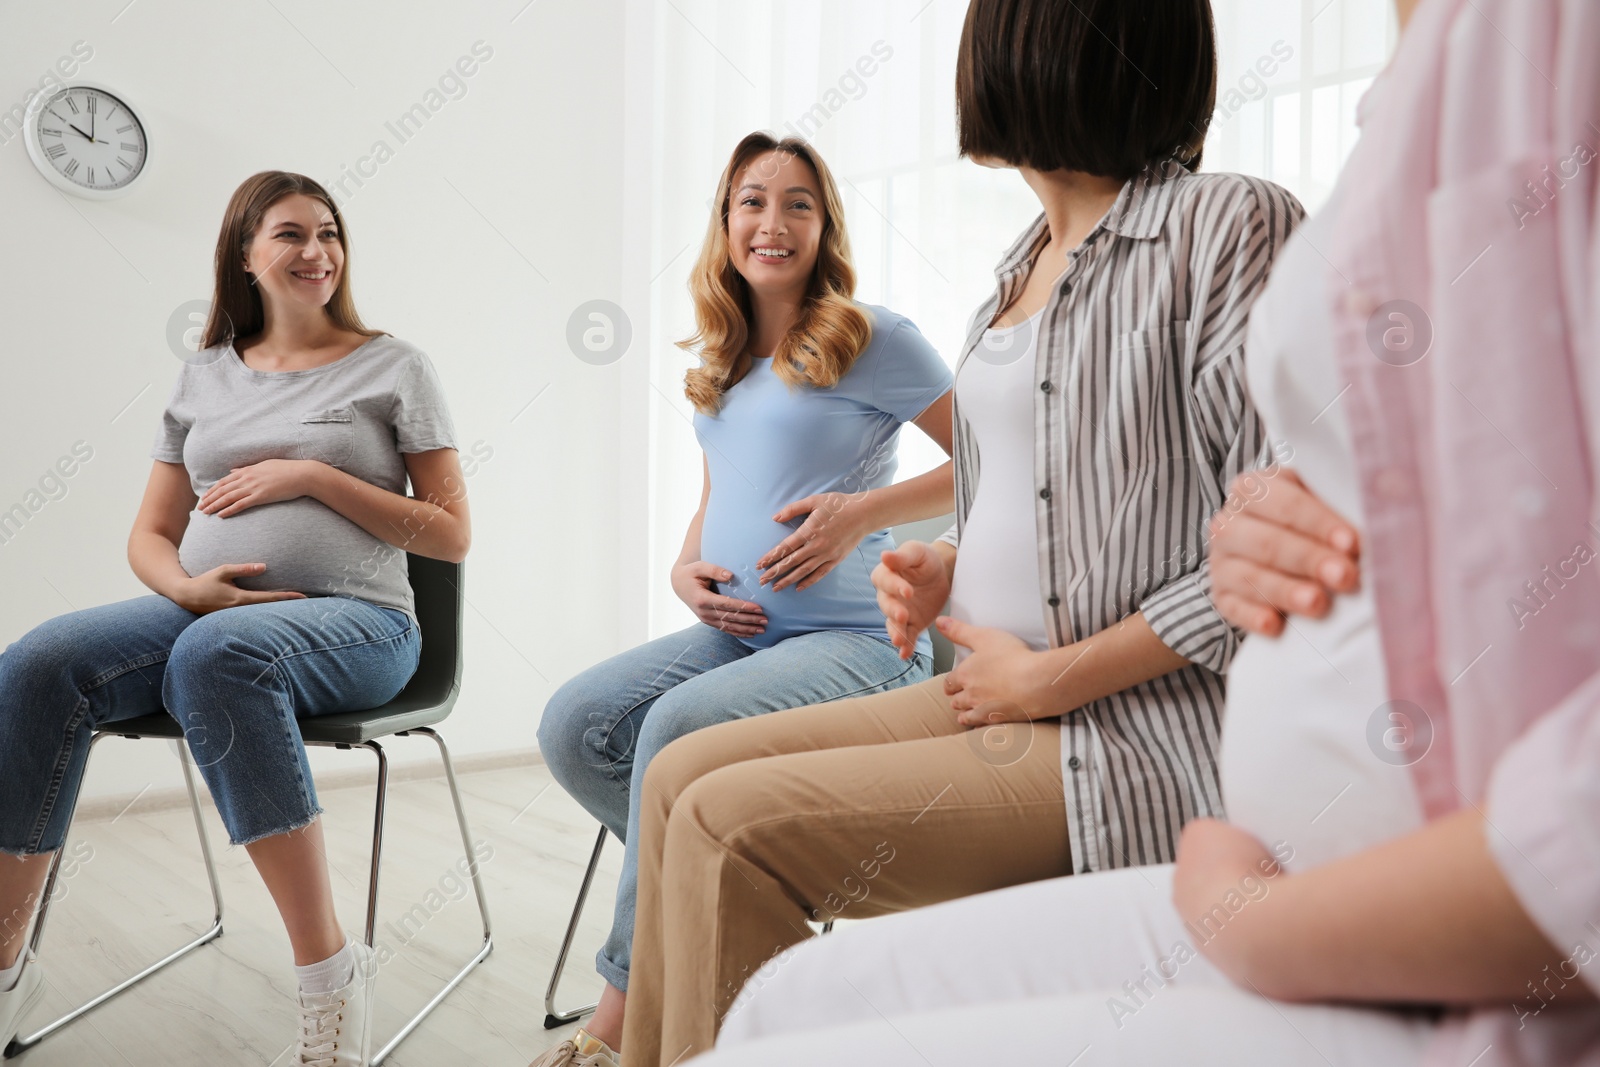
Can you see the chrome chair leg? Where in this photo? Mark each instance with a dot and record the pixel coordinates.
(22, 1043)
(477, 885)
(554, 1018)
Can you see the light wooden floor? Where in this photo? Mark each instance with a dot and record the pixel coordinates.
(144, 892)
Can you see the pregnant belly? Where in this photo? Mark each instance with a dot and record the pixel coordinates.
(1297, 764)
(307, 548)
(843, 599)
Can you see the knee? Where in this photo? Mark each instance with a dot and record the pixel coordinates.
(44, 668)
(575, 731)
(677, 715)
(211, 651)
(704, 803)
(194, 653)
(678, 764)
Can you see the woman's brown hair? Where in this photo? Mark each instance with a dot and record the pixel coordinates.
(1106, 87)
(831, 330)
(235, 301)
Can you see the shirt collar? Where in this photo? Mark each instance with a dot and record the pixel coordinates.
(1139, 212)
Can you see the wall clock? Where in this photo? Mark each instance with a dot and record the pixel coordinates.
(86, 140)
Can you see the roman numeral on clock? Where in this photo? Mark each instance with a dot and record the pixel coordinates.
(71, 168)
(56, 151)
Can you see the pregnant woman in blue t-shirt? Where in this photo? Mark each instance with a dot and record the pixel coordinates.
(273, 533)
(800, 397)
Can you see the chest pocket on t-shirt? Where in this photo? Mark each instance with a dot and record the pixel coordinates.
(328, 436)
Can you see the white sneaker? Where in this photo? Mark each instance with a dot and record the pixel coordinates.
(336, 1028)
(22, 997)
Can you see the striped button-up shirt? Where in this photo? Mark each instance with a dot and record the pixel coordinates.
(1140, 423)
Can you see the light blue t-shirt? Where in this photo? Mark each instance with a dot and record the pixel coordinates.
(771, 445)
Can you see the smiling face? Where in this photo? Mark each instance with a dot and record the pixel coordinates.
(295, 256)
(775, 222)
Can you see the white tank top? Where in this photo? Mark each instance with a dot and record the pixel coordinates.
(996, 580)
(1301, 761)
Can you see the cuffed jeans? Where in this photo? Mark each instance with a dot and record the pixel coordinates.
(601, 729)
(237, 680)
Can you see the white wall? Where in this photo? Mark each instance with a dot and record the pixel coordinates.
(520, 177)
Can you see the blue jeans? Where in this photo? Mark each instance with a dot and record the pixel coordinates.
(601, 729)
(237, 680)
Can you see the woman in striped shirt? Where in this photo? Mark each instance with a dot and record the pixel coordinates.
(1102, 386)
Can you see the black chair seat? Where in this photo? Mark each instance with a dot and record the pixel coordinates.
(343, 728)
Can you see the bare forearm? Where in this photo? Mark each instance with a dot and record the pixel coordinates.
(926, 496)
(418, 526)
(1117, 658)
(154, 560)
(1424, 918)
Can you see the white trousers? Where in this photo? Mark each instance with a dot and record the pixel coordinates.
(1089, 970)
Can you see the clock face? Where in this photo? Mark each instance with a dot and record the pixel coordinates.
(90, 139)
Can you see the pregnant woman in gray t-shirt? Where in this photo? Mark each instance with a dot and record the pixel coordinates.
(273, 533)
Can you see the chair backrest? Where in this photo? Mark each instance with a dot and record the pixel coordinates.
(437, 586)
(944, 653)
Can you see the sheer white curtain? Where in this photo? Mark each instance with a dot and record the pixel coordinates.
(871, 84)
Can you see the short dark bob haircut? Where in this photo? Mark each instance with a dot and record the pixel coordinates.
(1106, 87)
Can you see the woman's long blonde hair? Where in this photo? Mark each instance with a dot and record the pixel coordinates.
(831, 330)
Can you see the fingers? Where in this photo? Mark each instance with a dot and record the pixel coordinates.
(809, 571)
(1249, 615)
(958, 632)
(822, 570)
(906, 557)
(1278, 495)
(903, 637)
(230, 571)
(219, 485)
(729, 606)
(1284, 594)
(739, 617)
(783, 548)
(250, 596)
(889, 584)
(234, 504)
(221, 499)
(1285, 550)
(736, 629)
(789, 511)
(710, 571)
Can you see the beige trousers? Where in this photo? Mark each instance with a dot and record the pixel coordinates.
(753, 829)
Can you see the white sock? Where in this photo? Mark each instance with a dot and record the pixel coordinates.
(9, 975)
(335, 972)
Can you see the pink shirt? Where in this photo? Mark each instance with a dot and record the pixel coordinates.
(1474, 409)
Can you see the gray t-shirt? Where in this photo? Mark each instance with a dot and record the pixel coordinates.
(358, 414)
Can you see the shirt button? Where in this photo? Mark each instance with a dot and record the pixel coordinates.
(1044, 494)
(1044, 387)
(1074, 762)
(1054, 601)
